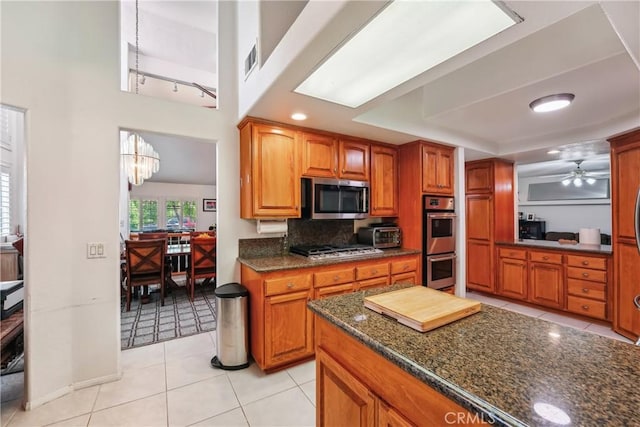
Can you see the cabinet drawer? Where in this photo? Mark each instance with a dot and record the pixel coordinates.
(548, 257)
(409, 278)
(334, 277)
(329, 291)
(587, 262)
(585, 289)
(587, 274)
(373, 283)
(404, 266)
(283, 285)
(371, 271)
(512, 253)
(586, 307)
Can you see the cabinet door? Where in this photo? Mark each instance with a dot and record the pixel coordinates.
(353, 160)
(512, 278)
(389, 417)
(480, 265)
(437, 170)
(275, 172)
(627, 316)
(384, 181)
(547, 284)
(479, 178)
(627, 183)
(319, 156)
(342, 400)
(480, 217)
(288, 328)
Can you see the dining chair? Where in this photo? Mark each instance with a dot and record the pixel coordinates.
(145, 265)
(203, 262)
(168, 261)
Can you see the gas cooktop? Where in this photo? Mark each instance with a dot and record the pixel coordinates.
(320, 252)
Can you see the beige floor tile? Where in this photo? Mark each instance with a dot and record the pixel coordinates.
(68, 406)
(303, 373)
(8, 409)
(564, 320)
(150, 411)
(134, 384)
(289, 408)
(523, 309)
(495, 302)
(142, 357)
(189, 346)
(606, 332)
(190, 369)
(252, 384)
(81, 421)
(199, 401)
(309, 389)
(233, 418)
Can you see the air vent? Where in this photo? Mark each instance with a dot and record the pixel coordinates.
(250, 61)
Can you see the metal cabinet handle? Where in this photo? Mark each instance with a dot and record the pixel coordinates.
(374, 271)
(636, 220)
(545, 258)
(585, 274)
(585, 290)
(585, 307)
(289, 285)
(585, 262)
(636, 301)
(336, 278)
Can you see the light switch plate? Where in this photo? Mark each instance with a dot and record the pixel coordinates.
(95, 250)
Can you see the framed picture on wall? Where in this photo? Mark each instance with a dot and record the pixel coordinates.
(531, 217)
(209, 205)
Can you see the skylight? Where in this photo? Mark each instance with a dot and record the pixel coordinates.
(401, 42)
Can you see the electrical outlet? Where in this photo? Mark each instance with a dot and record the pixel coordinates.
(95, 250)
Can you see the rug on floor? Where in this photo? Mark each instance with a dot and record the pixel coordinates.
(151, 323)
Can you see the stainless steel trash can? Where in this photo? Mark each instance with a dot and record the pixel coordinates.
(232, 330)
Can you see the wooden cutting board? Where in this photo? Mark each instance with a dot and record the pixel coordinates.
(421, 308)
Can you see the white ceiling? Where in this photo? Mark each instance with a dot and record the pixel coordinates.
(479, 99)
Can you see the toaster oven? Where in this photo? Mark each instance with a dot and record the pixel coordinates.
(380, 237)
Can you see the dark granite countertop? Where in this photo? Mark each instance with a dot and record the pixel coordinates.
(550, 244)
(292, 261)
(504, 365)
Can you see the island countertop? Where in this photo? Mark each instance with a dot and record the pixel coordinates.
(551, 244)
(508, 366)
(292, 261)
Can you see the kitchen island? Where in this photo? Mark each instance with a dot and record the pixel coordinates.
(494, 367)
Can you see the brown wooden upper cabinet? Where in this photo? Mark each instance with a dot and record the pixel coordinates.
(269, 171)
(437, 169)
(384, 181)
(319, 155)
(479, 178)
(326, 156)
(353, 160)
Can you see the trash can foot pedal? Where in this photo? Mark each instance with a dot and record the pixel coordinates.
(215, 363)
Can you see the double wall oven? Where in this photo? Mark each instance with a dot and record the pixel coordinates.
(439, 242)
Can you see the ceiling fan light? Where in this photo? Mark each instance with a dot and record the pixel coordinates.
(566, 182)
(552, 102)
(577, 182)
(591, 181)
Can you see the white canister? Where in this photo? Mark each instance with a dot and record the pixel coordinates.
(590, 236)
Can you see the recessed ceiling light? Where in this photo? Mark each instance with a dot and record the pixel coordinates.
(552, 102)
(553, 151)
(404, 40)
(299, 116)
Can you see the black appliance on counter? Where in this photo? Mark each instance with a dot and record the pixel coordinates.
(532, 230)
(439, 242)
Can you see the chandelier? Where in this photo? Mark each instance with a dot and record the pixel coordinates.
(578, 176)
(138, 159)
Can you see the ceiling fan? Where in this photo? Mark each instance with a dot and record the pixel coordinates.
(578, 176)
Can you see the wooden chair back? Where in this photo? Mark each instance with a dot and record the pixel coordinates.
(145, 264)
(202, 234)
(153, 236)
(203, 261)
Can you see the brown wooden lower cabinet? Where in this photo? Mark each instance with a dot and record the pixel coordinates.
(357, 387)
(480, 265)
(280, 323)
(565, 280)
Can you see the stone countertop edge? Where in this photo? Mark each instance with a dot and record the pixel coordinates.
(551, 244)
(446, 388)
(293, 261)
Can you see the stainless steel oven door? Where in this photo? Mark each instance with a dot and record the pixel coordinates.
(440, 233)
(441, 271)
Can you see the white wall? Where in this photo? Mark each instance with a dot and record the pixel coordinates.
(61, 62)
(168, 191)
(570, 215)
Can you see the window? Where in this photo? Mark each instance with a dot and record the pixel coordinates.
(180, 214)
(5, 202)
(143, 215)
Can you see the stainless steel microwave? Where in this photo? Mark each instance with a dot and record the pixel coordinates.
(325, 198)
